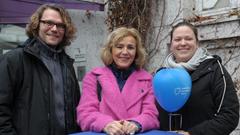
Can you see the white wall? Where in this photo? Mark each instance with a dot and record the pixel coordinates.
(90, 37)
(91, 34)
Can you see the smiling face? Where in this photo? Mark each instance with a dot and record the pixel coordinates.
(49, 30)
(183, 44)
(124, 52)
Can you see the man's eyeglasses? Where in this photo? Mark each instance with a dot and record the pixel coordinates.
(50, 24)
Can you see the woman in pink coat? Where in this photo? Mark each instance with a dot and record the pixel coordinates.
(126, 104)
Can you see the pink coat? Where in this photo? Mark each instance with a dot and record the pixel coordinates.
(135, 102)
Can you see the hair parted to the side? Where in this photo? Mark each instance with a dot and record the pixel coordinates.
(33, 26)
(116, 36)
(184, 23)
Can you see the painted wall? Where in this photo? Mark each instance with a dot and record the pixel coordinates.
(91, 33)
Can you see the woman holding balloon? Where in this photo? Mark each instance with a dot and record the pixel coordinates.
(212, 107)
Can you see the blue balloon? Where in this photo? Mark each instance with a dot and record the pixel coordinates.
(172, 88)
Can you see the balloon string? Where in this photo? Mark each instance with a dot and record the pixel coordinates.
(170, 122)
(175, 122)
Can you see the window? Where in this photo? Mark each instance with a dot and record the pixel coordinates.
(81, 70)
(10, 37)
(219, 10)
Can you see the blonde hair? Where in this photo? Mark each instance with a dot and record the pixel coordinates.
(33, 26)
(116, 36)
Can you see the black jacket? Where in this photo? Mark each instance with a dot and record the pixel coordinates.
(26, 103)
(198, 112)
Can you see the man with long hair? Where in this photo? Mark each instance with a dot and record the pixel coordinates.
(39, 90)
